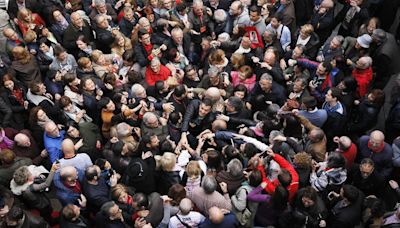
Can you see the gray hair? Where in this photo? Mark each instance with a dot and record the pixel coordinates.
(379, 35)
(197, 3)
(235, 167)
(98, 18)
(155, 60)
(123, 129)
(213, 70)
(136, 87)
(367, 61)
(267, 77)
(209, 184)
(147, 116)
(185, 206)
(339, 38)
(21, 175)
(274, 133)
(220, 15)
(105, 209)
(99, 2)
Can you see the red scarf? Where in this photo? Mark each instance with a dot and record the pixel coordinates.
(19, 96)
(76, 188)
(148, 48)
(377, 150)
(327, 82)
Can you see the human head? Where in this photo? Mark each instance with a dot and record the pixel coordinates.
(119, 193)
(177, 35)
(21, 54)
(235, 167)
(364, 41)
(22, 175)
(236, 8)
(376, 140)
(220, 16)
(68, 148)
(376, 96)
(302, 160)
(198, 7)
(309, 197)
(367, 167)
(216, 215)
(177, 192)
(333, 95)
(69, 175)
(379, 36)
(205, 107)
(10, 34)
(350, 193)
(185, 206)
(150, 120)
(71, 212)
(255, 13)
(138, 91)
(266, 82)
(306, 31)
(168, 161)
(336, 42)
(52, 129)
(22, 140)
(77, 20)
(336, 160)
(111, 210)
(209, 184)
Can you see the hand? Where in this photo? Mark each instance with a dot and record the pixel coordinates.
(194, 32)
(283, 65)
(270, 152)
(163, 47)
(166, 199)
(315, 166)
(393, 184)
(215, 43)
(320, 58)
(137, 131)
(263, 184)
(155, 52)
(60, 126)
(356, 102)
(68, 6)
(280, 138)
(209, 11)
(163, 121)
(26, 104)
(223, 117)
(57, 97)
(113, 180)
(322, 223)
(220, 107)
(168, 107)
(114, 140)
(54, 167)
(312, 85)
(79, 144)
(140, 222)
(265, 65)
(336, 139)
(99, 92)
(349, 62)
(108, 86)
(98, 144)
(82, 201)
(146, 155)
(224, 187)
(44, 153)
(292, 62)
(255, 59)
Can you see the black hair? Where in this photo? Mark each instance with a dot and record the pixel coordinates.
(255, 178)
(103, 102)
(174, 117)
(256, 9)
(351, 193)
(180, 90)
(336, 160)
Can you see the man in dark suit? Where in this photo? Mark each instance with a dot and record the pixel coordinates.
(76, 28)
(104, 34)
(15, 5)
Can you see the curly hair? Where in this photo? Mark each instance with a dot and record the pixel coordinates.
(302, 160)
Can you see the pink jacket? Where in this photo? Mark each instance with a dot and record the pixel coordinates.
(249, 83)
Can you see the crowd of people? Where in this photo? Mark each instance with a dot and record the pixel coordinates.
(214, 113)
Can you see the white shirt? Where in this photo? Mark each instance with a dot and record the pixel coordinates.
(193, 219)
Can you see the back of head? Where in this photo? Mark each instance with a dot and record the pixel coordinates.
(185, 206)
(351, 193)
(336, 160)
(7, 156)
(105, 209)
(209, 184)
(235, 167)
(216, 215)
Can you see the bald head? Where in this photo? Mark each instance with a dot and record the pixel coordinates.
(345, 142)
(216, 215)
(52, 129)
(22, 140)
(68, 171)
(213, 94)
(68, 147)
(377, 136)
(185, 206)
(218, 125)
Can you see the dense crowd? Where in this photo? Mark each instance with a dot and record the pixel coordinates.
(214, 113)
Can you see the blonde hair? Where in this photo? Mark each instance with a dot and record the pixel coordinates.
(168, 161)
(307, 29)
(96, 54)
(117, 191)
(30, 36)
(22, 13)
(193, 169)
(21, 54)
(237, 60)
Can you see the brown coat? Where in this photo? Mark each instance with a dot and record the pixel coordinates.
(316, 149)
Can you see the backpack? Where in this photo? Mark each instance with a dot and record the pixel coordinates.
(245, 215)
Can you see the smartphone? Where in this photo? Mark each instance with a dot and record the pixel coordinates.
(57, 161)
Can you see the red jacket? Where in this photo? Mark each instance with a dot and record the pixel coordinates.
(363, 78)
(152, 77)
(271, 185)
(350, 155)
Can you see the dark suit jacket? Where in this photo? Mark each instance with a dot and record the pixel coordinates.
(72, 33)
(29, 4)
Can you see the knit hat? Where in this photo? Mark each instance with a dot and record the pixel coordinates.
(364, 40)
